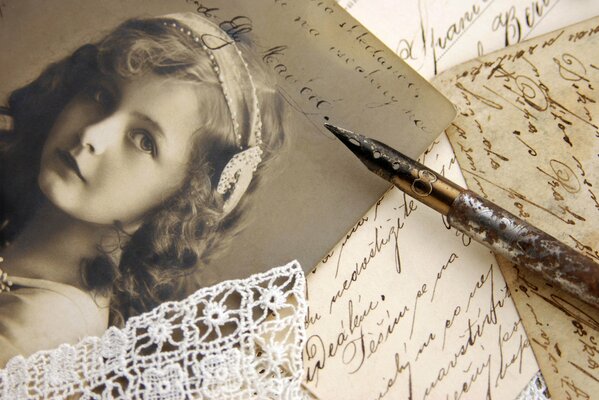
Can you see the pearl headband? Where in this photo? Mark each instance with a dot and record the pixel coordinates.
(239, 92)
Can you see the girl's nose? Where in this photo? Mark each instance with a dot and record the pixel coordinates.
(101, 135)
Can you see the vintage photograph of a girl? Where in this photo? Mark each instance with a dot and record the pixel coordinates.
(151, 148)
(126, 166)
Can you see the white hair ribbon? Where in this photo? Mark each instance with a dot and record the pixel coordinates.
(239, 91)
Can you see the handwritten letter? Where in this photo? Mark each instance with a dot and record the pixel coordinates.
(405, 308)
(433, 35)
(527, 137)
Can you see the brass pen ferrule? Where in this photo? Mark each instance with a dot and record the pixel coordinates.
(428, 187)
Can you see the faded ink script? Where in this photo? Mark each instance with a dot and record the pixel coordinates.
(316, 48)
(433, 35)
(406, 308)
(527, 138)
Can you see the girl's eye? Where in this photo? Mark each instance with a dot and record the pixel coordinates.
(143, 140)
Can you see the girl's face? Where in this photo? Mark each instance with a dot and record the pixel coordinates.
(118, 150)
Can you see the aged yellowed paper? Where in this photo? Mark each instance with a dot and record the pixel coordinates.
(404, 307)
(526, 137)
(434, 35)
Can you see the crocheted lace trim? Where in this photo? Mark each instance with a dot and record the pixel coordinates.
(235, 340)
(536, 389)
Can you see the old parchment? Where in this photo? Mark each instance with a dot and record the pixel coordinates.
(527, 138)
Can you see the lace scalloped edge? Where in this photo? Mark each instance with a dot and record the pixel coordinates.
(235, 340)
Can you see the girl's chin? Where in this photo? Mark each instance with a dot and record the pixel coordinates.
(65, 198)
(64, 205)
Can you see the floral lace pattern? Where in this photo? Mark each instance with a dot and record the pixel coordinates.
(535, 390)
(235, 340)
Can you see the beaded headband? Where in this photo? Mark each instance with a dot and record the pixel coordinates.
(239, 91)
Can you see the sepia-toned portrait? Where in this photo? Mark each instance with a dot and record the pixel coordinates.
(151, 148)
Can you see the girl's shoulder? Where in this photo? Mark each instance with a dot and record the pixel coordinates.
(39, 315)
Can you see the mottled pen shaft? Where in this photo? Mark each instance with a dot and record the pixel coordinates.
(482, 220)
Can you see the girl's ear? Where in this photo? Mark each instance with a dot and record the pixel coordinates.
(237, 175)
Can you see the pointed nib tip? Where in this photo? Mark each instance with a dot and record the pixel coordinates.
(347, 137)
(336, 130)
(332, 128)
(355, 142)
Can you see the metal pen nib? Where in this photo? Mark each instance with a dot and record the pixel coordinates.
(480, 219)
(408, 175)
(367, 150)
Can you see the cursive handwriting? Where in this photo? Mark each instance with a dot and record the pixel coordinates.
(424, 324)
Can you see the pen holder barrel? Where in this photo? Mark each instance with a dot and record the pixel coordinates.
(525, 245)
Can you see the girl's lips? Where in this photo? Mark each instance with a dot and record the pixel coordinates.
(70, 162)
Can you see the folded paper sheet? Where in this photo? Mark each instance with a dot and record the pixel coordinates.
(405, 308)
(237, 339)
(527, 138)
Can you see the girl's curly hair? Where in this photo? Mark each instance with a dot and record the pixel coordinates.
(190, 227)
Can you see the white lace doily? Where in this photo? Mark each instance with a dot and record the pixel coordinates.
(235, 340)
(535, 390)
